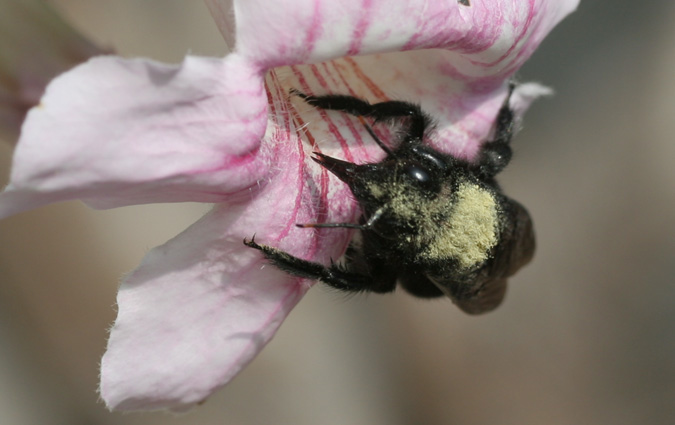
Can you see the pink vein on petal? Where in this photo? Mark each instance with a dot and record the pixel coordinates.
(515, 44)
(328, 73)
(374, 88)
(527, 50)
(301, 153)
(332, 128)
(349, 122)
(319, 77)
(242, 159)
(322, 213)
(300, 124)
(345, 81)
(323, 204)
(301, 185)
(314, 29)
(233, 161)
(359, 142)
(360, 29)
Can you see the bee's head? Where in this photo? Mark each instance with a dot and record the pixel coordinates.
(400, 189)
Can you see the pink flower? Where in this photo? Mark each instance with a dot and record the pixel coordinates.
(115, 132)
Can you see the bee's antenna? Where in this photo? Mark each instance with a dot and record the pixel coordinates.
(370, 131)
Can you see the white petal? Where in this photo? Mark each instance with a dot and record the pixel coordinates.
(116, 132)
(195, 312)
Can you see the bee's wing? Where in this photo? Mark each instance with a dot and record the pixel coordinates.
(518, 242)
(487, 299)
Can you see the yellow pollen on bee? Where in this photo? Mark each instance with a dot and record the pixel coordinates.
(376, 190)
(471, 229)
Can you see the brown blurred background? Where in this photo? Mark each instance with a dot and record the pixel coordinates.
(586, 336)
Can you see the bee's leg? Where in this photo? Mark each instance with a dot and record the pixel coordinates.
(359, 107)
(338, 276)
(505, 123)
(495, 155)
(382, 111)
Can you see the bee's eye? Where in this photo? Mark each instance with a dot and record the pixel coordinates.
(419, 175)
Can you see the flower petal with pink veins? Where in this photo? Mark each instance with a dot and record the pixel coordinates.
(116, 132)
(497, 34)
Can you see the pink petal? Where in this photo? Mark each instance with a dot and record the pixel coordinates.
(115, 132)
(200, 307)
(460, 83)
(497, 34)
(191, 316)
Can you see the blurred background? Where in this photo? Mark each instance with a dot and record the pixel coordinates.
(586, 335)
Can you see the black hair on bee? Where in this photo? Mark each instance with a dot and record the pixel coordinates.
(435, 224)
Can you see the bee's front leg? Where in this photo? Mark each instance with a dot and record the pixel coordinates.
(338, 276)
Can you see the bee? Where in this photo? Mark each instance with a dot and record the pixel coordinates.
(432, 223)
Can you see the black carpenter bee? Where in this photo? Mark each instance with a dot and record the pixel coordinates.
(436, 224)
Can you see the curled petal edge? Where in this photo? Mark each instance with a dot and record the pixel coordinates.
(191, 132)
